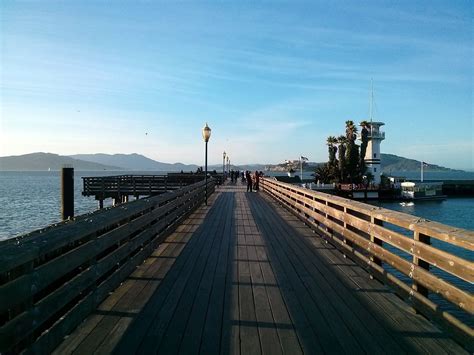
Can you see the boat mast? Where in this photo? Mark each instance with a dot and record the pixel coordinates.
(371, 103)
(371, 98)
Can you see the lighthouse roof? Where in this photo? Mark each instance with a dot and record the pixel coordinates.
(376, 123)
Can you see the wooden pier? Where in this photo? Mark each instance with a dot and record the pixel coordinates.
(121, 187)
(284, 270)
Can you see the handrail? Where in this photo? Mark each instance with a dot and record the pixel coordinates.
(139, 185)
(359, 228)
(51, 279)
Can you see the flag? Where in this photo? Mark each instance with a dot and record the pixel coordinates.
(303, 158)
(424, 164)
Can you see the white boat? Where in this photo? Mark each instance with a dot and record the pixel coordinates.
(422, 190)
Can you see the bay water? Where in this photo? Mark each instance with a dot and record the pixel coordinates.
(31, 200)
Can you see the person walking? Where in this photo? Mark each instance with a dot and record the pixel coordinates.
(257, 180)
(248, 177)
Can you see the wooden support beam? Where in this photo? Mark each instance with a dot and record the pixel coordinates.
(67, 193)
(417, 262)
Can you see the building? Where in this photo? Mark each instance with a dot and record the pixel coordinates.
(372, 154)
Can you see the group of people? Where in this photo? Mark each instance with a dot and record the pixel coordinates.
(252, 180)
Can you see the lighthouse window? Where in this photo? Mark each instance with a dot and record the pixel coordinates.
(375, 155)
(375, 170)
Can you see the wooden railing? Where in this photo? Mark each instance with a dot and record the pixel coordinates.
(138, 185)
(396, 248)
(51, 279)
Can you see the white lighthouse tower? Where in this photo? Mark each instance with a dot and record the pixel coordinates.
(372, 154)
(375, 136)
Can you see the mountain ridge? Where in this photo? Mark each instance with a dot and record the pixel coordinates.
(41, 161)
(134, 161)
(138, 162)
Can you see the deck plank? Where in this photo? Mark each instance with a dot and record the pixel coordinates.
(269, 341)
(166, 301)
(186, 327)
(230, 332)
(202, 333)
(298, 278)
(328, 291)
(286, 329)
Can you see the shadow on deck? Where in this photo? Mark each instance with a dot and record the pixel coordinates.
(243, 275)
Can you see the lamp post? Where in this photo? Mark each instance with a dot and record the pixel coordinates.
(206, 134)
(223, 165)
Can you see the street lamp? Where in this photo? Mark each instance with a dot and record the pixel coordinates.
(206, 134)
(223, 166)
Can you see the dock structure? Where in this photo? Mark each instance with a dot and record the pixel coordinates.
(285, 270)
(121, 187)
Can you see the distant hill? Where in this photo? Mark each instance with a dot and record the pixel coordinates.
(391, 162)
(134, 162)
(48, 161)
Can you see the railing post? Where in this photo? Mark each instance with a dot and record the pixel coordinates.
(420, 263)
(314, 213)
(67, 193)
(329, 230)
(348, 242)
(134, 186)
(375, 241)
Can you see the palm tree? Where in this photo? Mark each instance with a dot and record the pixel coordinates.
(364, 135)
(323, 173)
(332, 149)
(352, 152)
(351, 130)
(342, 141)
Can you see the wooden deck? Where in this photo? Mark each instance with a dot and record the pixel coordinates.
(243, 275)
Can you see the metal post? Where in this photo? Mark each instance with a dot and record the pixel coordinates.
(67, 193)
(301, 169)
(206, 173)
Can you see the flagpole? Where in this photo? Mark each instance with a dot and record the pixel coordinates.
(422, 163)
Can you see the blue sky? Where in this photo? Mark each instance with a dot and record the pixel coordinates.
(272, 79)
